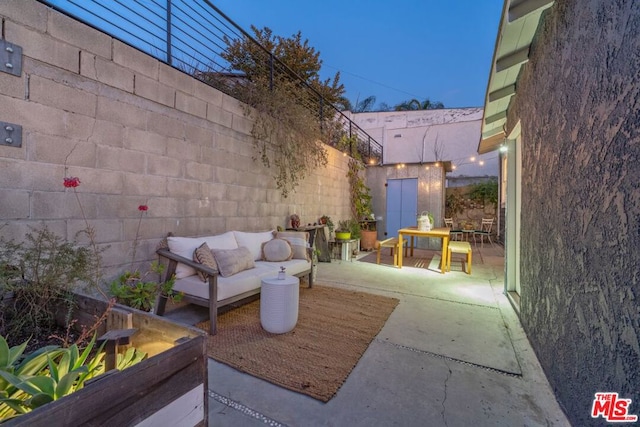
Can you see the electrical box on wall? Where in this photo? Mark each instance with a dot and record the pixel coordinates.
(10, 134)
(10, 58)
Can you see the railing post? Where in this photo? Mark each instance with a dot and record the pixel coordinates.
(169, 54)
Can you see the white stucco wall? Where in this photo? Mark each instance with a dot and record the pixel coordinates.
(431, 135)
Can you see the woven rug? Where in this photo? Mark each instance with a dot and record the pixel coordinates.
(334, 329)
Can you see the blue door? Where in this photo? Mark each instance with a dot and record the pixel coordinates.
(402, 204)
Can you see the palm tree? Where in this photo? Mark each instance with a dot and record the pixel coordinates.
(414, 105)
(365, 105)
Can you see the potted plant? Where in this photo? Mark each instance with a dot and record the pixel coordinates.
(326, 220)
(343, 232)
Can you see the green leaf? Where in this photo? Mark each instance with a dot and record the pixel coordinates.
(10, 378)
(53, 369)
(64, 365)
(4, 353)
(85, 353)
(130, 358)
(23, 384)
(74, 355)
(65, 386)
(43, 384)
(16, 352)
(37, 360)
(16, 404)
(39, 399)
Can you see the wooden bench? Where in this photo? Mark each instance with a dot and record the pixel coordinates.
(391, 243)
(459, 248)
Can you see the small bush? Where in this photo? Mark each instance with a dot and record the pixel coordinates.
(40, 273)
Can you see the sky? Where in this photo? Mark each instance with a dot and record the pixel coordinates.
(395, 50)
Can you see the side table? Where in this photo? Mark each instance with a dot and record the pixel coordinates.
(279, 304)
(344, 248)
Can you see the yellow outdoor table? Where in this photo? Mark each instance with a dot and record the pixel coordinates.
(441, 233)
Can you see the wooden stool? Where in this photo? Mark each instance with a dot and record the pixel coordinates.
(391, 244)
(459, 248)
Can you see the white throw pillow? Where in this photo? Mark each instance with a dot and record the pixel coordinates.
(253, 241)
(184, 246)
(276, 250)
(232, 261)
(222, 241)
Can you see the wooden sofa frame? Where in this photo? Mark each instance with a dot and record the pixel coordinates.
(212, 280)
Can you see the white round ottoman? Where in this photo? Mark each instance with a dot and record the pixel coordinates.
(279, 304)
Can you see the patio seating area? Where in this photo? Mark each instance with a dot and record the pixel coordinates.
(452, 353)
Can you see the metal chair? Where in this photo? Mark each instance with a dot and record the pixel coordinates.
(485, 231)
(455, 234)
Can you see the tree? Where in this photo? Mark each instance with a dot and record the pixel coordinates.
(285, 113)
(415, 105)
(365, 105)
(294, 52)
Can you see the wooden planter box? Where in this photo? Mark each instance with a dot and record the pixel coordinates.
(168, 388)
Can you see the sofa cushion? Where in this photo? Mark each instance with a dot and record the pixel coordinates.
(203, 255)
(184, 246)
(228, 287)
(299, 242)
(232, 261)
(253, 241)
(276, 250)
(222, 241)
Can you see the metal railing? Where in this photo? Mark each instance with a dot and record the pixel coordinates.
(194, 36)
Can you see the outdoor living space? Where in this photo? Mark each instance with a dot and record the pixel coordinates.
(452, 352)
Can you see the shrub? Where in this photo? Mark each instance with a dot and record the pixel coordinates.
(41, 272)
(135, 290)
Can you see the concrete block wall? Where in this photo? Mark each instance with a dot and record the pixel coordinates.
(135, 131)
(578, 102)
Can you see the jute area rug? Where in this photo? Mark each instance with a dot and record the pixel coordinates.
(334, 329)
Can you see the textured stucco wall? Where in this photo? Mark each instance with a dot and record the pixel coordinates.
(578, 101)
(134, 131)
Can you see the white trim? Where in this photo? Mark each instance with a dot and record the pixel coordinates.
(185, 411)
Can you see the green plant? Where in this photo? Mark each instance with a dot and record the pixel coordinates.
(286, 129)
(485, 192)
(454, 204)
(350, 226)
(360, 194)
(326, 219)
(41, 272)
(49, 374)
(134, 289)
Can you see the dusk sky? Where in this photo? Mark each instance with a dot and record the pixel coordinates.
(394, 50)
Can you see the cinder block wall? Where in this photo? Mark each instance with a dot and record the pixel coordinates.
(135, 131)
(579, 104)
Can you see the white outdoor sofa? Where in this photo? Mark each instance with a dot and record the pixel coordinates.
(241, 260)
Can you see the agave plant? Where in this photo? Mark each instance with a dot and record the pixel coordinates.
(49, 374)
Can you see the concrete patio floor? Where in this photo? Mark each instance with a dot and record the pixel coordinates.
(452, 353)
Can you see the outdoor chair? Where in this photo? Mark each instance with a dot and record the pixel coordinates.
(454, 234)
(485, 231)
